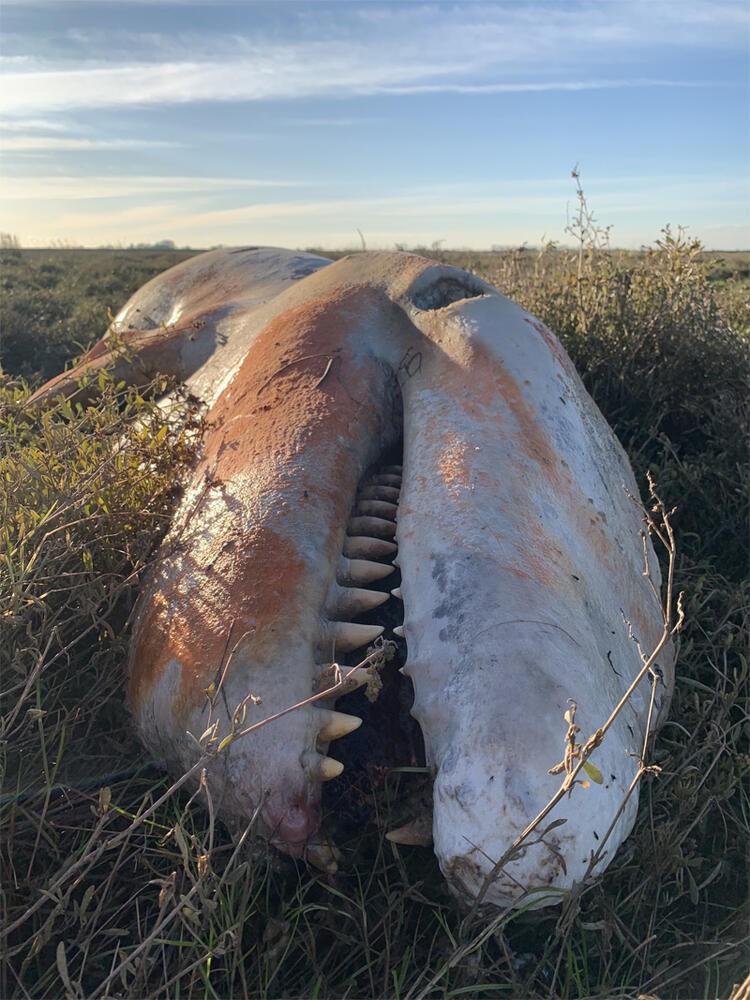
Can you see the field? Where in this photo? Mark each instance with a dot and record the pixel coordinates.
(115, 883)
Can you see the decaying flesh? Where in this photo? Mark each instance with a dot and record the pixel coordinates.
(519, 549)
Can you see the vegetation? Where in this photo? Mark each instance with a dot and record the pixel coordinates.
(115, 883)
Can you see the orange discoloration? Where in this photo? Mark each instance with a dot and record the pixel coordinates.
(214, 615)
(453, 465)
(543, 558)
(248, 570)
(554, 345)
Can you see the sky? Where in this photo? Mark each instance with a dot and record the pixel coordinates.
(333, 124)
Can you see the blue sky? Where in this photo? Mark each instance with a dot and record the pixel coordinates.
(300, 123)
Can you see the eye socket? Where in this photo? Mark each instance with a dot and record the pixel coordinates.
(446, 290)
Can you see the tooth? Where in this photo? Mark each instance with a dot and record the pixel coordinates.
(397, 593)
(324, 857)
(417, 833)
(328, 769)
(348, 635)
(337, 724)
(345, 603)
(356, 571)
(377, 526)
(375, 492)
(378, 508)
(399, 631)
(327, 679)
(386, 480)
(363, 547)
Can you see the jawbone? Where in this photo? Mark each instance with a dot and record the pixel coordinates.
(520, 552)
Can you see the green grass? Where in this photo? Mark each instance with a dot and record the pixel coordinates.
(116, 883)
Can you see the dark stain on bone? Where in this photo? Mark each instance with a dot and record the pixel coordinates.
(440, 572)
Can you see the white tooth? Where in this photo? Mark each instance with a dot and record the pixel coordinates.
(376, 526)
(397, 593)
(356, 571)
(376, 492)
(396, 561)
(348, 635)
(337, 724)
(417, 833)
(345, 603)
(378, 508)
(357, 679)
(328, 769)
(399, 631)
(363, 547)
(324, 857)
(354, 679)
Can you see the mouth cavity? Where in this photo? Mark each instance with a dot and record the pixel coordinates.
(365, 604)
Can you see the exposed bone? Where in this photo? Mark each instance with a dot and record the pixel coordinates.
(344, 603)
(397, 593)
(363, 547)
(337, 724)
(328, 769)
(378, 508)
(376, 526)
(349, 635)
(261, 330)
(418, 833)
(351, 572)
(399, 631)
(374, 492)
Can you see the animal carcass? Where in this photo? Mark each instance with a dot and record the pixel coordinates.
(520, 552)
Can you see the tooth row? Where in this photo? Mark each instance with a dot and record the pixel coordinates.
(369, 534)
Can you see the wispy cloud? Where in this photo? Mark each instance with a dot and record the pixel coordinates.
(59, 144)
(189, 82)
(365, 49)
(20, 188)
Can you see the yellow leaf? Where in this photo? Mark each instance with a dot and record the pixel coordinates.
(593, 772)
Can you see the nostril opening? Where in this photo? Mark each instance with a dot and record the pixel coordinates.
(446, 290)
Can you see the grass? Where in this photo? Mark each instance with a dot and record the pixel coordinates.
(115, 883)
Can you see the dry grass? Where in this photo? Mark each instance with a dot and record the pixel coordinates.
(115, 883)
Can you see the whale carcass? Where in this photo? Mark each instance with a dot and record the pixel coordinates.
(507, 511)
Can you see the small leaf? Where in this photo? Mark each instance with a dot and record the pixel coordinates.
(62, 966)
(593, 772)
